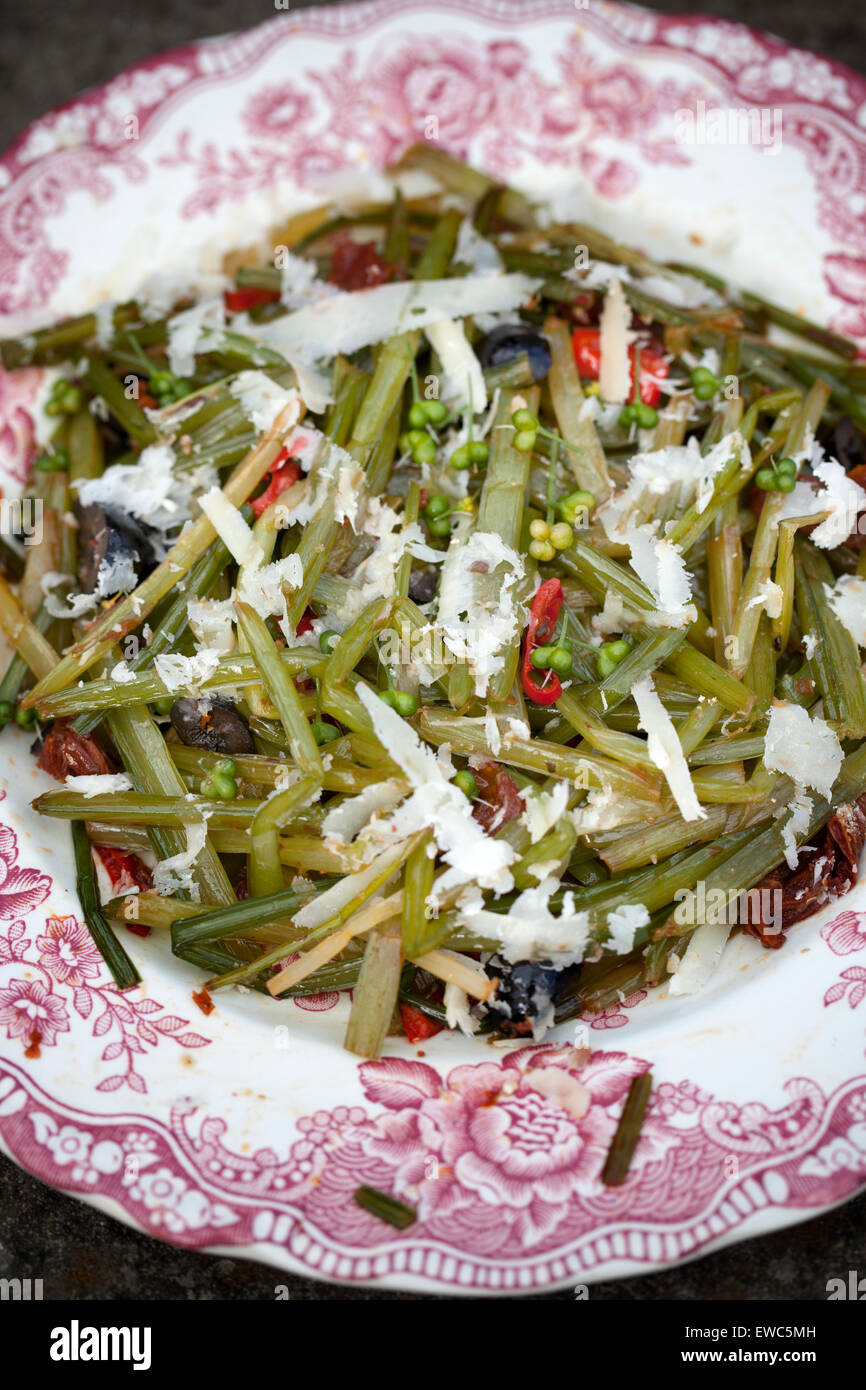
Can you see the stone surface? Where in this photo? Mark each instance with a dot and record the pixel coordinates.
(79, 1253)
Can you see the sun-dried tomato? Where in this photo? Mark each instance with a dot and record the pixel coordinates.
(66, 753)
(825, 871)
(586, 345)
(285, 472)
(499, 800)
(204, 1001)
(357, 265)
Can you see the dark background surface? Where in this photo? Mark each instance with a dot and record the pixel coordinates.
(47, 55)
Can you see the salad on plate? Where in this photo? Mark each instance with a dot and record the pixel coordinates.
(455, 607)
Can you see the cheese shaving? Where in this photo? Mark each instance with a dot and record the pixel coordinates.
(665, 749)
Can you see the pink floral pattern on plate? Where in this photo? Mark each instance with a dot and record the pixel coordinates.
(500, 1153)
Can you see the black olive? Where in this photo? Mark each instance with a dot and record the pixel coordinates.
(213, 724)
(105, 535)
(847, 443)
(527, 993)
(508, 340)
(423, 581)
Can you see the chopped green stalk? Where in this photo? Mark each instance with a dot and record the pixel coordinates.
(117, 962)
(264, 870)
(586, 457)
(375, 996)
(625, 1141)
(420, 933)
(835, 659)
(281, 690)
(132, 610)
(388, 1209)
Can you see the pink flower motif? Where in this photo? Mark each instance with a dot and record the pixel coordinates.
(17, 431)
(68, 952)
(28, 1008)
(277, 110)
(851, 983)
(526, 1137)
(508, 57)
(612, 178)
(317, 1003)
(846, 276)
(21, 890)
(846, 933)
(621, 100)
(611, 1016)
(443, 82)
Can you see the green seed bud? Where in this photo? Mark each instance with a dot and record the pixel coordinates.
(417, 415)
(467, 784)
(426, 452)
(539, 530)
(540, 658)
(524, 441)
(560, 661)
(542, 550)
(561, 535)
(524, 420)
(479, 452)
(438, 505)
(436, 411)
(405, 704)
(328, 640)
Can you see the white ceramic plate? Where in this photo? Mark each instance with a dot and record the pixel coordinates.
(249, 1130)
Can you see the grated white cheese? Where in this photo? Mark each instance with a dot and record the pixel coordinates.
(660, 565)
(796, 825)
(543, 810)
(839, 495)
(622, 924)
(770, 597)
(185, 672)
(231, 528)
(176, 872)
(615, 338)
(154, 490)
(530, 931)
(349, 321)
(211, 623)
(847, 599)
(347, 819)
(803, 748)
(702, 956)
(264, 589)
(476, 630)
(461, 370)
(437, 803)
(190, 331)
(121, 673)
(476, 251)
(260, 398)
(99, 783)
(665, 749)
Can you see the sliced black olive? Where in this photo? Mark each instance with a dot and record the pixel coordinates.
(527, 993)
(213, 724)
(107, 536)
(509, 340)
(422, 583)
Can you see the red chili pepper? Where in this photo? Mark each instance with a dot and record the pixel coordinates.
(238, 300)
(418, 1025)
(283, 476)
(587, 354)
(306, 623)
(543, 618)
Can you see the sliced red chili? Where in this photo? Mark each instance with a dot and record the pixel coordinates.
(239, 300)
(285, 473)
(586, 344)
(417, 1025)
(544, 688)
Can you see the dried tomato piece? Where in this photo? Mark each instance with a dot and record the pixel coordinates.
(204, 1001)
(825, 871)
(499, 800)
(357, 265)
(66, 753)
